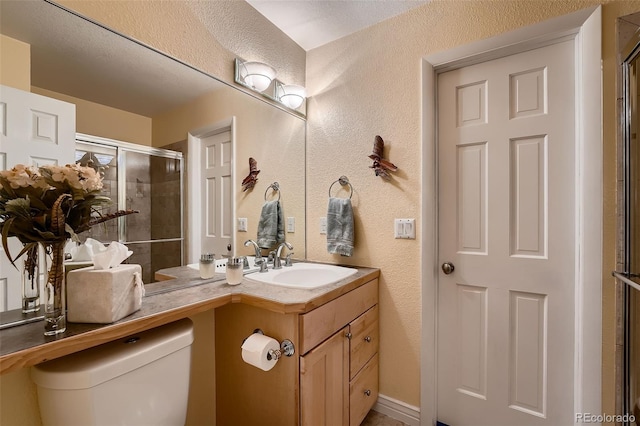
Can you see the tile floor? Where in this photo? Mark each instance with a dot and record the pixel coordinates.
(376, 419)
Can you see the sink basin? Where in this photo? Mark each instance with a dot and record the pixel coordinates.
(303, 275)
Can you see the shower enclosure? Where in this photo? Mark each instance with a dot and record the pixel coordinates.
(630, 233)
(145, 179)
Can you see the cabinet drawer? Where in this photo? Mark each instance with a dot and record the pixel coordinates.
(364, 340)
(363, 392)
(320, 323)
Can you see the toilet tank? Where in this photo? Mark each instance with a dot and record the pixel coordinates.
(142, 379)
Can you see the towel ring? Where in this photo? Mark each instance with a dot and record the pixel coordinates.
(343, 180)
(276, 188)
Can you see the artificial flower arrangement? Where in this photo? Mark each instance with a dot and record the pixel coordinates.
(48, 205)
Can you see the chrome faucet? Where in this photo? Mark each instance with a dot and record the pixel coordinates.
(258, 260)
(276, 259)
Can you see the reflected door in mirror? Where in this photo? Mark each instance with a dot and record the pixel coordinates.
(35, 131)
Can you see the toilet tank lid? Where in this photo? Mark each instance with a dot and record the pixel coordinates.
(93, 366)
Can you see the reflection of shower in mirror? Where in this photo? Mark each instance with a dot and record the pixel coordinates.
(148, 180)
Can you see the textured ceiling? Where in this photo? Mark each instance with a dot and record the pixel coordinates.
(313, 23)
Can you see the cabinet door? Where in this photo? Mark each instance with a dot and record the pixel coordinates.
(324, 383)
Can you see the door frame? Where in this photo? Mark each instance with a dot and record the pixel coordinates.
(585, 28)
(194, 187)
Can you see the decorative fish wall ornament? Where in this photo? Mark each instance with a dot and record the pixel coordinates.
(380, 165)
(250, 181)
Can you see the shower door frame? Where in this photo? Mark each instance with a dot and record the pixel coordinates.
(630, 55)
(123, 147)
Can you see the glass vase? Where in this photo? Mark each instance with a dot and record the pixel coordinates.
(55, 304)
(31, 282)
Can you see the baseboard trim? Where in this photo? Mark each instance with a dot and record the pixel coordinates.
(398, 410)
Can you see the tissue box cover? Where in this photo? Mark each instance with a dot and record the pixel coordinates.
(103, 296)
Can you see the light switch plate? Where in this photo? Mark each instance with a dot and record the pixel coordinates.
(291, 224)
(242, 224)
(323, 225)
(404, 228)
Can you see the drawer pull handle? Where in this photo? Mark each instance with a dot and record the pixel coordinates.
(348, 335)
(367, 392)
(367, 339)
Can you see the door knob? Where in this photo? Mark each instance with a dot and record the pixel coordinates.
(447, 268)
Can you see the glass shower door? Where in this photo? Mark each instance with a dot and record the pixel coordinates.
(104, 159)
(153, 187)
(147, 180)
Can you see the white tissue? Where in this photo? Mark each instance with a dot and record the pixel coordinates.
(112, 256)
(255, 351)
(84, 252)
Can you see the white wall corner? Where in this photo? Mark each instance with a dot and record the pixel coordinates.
(589, 198)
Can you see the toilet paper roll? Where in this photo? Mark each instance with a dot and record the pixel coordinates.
(255, 351)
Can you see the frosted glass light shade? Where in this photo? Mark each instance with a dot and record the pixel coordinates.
(291, 95)
(257, 75)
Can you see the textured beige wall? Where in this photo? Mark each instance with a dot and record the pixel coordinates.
(15, 63)
(368, 84)
(106, 122)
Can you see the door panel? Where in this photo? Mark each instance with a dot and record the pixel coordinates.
(506, 153)
(217, 210)
(36, 131)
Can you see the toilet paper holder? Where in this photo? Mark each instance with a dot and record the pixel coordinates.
(286, 348)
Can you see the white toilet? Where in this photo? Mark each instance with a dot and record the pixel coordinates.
(142, 379)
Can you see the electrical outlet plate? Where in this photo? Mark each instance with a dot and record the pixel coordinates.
(323, 225)
(291, 224)
(242, 224)
(405, 228)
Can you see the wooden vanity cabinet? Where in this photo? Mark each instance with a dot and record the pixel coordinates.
(331, 380)
(339, 378)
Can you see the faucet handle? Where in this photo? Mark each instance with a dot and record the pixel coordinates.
(287, 260)
(245, 262)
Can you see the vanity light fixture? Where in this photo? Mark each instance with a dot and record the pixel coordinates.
(260, 78)
(255, 75)
(290, 95)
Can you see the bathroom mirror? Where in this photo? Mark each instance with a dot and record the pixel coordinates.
(75, 58)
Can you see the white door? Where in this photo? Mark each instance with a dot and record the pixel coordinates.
(34, 130)
(217, 211)
(506, 153)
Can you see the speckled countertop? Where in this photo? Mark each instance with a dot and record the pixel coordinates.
(166, 301)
